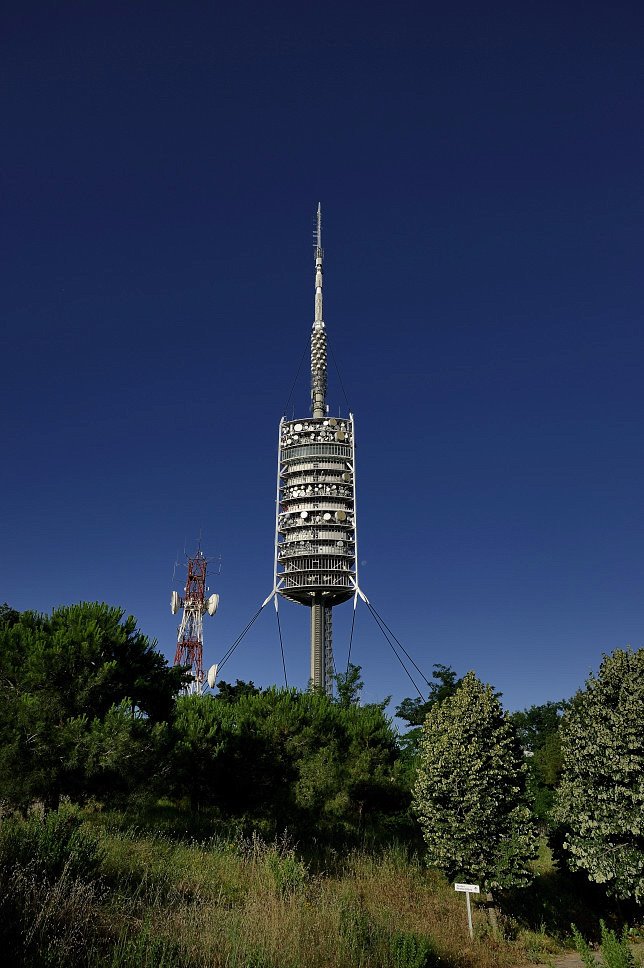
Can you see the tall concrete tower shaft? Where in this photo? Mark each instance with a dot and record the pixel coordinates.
(315, 529)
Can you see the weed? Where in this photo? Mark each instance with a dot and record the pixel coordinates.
(614, 949)
(57, 842)
(288, 873)
(538, 945)
(46, 923)
(141, 949)
(411, 951)
(357, 932)
(616, 952)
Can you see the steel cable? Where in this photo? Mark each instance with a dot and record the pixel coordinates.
(399, 643)
(353, 625)
(393, 649)
(232, 648)
(279, 630)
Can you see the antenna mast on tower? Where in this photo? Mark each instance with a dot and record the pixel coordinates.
(315, 528)
(189, 651)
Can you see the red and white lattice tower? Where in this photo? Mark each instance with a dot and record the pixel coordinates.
(194, 603)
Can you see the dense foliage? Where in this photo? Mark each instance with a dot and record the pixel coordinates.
(538, 732)
(91, 712)
(320, 766)
(89, 709)
(600, 800)
(469, 794)
(84, 697)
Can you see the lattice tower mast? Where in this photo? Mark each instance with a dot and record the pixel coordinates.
(315, 530)
(189, 651)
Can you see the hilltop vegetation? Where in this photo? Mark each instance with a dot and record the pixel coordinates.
(283, 828)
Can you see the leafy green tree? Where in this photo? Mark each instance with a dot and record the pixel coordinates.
(470, 795)
(83, 696)
(414, 710)
(538, 732)
(349, 685)
(600, 800)
(8, 616)
(232, 692)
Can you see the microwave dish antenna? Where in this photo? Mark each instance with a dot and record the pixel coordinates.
(212, 675)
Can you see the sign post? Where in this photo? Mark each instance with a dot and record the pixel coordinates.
(468, 889)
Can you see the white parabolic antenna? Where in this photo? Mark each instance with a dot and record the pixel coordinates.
(212, 675)
(174, 603)
(213, 604)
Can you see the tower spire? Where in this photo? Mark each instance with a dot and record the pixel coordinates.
(318, 334)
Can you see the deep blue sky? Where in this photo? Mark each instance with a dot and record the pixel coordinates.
(481, 171)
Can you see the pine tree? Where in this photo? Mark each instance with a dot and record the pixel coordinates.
(469, 794)
(600, 801)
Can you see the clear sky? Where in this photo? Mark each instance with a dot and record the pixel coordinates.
(481, 171)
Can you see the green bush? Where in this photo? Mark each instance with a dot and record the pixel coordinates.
(615, 950)
(50, 845)
(288, 873)
(358, 934)
(409, 950)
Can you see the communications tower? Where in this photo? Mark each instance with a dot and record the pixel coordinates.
(315, 526)
(189, 651)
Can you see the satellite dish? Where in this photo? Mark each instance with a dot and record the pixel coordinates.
(333, 422)
(212, 675)
(304, 514)
(174, 603)
(339, 435)
(213, 604)
(340, 515)
(346, 476)
(327, 516)
(297, 428)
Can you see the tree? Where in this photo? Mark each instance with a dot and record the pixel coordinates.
(469, 794)
(600, 800)
(414, 710)
(232, 693)
(83, 697)
(349, 686)
(290, 759)
(538, 732)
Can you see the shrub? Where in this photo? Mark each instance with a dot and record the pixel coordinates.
(615, 951)
(50, 845)
(288, 873)
(409, 950)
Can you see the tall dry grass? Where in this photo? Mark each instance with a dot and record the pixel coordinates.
(252, 904)
(234, 902)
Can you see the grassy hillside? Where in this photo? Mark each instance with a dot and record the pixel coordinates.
(123, 896)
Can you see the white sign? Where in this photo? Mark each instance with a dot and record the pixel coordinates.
(468, 889)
